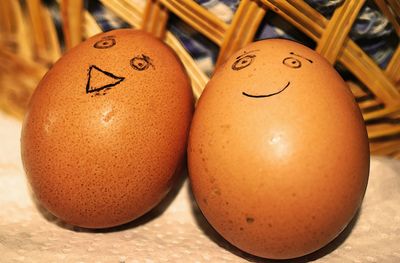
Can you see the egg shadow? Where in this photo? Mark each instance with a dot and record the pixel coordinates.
(49, 217)
(213, 235)
(178, 181)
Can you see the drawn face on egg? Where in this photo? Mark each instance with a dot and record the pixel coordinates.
(292, 61)
(100, 80)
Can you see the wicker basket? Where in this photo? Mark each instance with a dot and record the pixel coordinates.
(29, 45)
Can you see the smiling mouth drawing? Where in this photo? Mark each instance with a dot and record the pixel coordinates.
(267, 95)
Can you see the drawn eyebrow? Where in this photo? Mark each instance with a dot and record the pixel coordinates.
(246, 53)
(309, 60)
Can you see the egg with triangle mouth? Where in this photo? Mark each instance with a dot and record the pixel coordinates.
(106, 129)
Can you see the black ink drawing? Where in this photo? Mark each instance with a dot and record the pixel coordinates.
(309, 60)
(244, 60)
(105, 42)
(288, 61)
(141, 63)
(267, 95)
(292, 62)
(101, 80)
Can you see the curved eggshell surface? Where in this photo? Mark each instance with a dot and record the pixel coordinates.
(278, 151)
(106, 129)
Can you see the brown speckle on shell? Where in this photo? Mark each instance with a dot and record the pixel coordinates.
(249, 220)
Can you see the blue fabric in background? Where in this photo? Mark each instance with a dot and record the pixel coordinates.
(375, 35)
(232, 4)
(325, 7)
(104, 18)
(371, 30)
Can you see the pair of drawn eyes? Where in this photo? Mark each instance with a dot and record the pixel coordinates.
(138, 63)
(245, 61)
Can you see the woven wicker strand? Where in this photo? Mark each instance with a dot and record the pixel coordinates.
(24, 60)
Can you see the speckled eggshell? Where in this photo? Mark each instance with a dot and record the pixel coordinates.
(107, 128)
(278, 151)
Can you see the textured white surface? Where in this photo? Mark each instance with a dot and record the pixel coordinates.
(175, 231)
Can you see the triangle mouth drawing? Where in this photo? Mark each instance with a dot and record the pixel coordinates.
(99, 79)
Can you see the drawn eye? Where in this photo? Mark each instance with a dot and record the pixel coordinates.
(105, 43)
(243, 62)
(292, 62)
(141, 62)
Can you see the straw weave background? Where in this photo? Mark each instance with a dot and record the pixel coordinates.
(30, 44)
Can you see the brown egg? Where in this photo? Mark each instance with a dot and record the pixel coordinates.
(106, 129)
(278, 151)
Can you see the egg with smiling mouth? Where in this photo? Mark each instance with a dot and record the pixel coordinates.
(278, 151)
